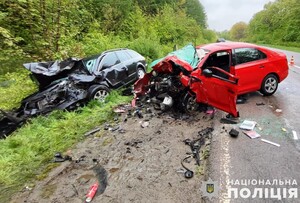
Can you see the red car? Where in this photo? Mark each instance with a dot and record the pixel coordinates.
(213, 74)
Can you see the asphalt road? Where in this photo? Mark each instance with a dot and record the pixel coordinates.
(236, 161)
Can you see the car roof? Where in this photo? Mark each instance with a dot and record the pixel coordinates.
(226, 45)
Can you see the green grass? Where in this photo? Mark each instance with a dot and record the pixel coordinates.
(24, 152)
(294, 49)
(14, 87)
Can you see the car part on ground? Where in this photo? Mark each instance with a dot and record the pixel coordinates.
(73, 82)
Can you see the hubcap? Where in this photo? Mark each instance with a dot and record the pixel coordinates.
(101, 95)
(140, 73)
(270, 85)
(191, 104)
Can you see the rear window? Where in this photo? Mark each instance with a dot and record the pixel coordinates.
(245, 55)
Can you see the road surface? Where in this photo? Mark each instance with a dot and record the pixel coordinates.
(245, 165)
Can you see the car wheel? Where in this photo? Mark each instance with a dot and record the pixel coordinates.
(189, 103)
(140, 72)
(269, 85)
(98, 92)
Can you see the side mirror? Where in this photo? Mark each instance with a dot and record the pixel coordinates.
(207, 73)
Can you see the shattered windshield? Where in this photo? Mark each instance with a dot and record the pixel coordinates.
(187, 54)
(202, 53)
(91, 63)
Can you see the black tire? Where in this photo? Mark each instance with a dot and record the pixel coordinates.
(269, 85)
(140, 72)
(98, 92)
(189, 104)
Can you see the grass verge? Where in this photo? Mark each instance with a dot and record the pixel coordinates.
(33, 145)
(294, 49)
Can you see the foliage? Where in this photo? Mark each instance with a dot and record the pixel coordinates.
(14, 87)
(238, 31)
(24, 152)
(196, 11)
(224, 34)
(278, 24)
(294, 49)
(45, 30)
(35, 30)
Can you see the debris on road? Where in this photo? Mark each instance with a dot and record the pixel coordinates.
(295, 135)
(228, 121)
(92, 132)
(145, 124)
(92, 192)
(251, 133)
(269, 142)
(234, 133)
(188, 173)
(101, 175)
(59, 158)
(260, 104)
(248, 125)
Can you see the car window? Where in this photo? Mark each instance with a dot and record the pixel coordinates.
(109, 60)
(244, 55)
(133, 54)
(123, 56)
(220, 60)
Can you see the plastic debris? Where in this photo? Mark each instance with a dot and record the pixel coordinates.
(269, 142)
(295, 135)
(248, 125)
(145, 124)
(278, 110)
(251, 133)
(283, 129)
(92, 192)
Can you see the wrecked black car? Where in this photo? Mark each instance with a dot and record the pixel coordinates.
(70, 83)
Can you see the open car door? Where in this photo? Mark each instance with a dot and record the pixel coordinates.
(215, 90)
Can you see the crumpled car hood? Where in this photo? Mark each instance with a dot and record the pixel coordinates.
(46, 72)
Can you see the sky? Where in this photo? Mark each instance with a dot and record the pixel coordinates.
(223, 14)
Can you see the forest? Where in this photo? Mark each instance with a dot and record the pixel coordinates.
(33, 30)
(45, 30)
(277, 24)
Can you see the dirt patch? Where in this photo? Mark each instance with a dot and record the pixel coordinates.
(142, 162)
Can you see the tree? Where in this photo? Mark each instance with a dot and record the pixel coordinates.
(238, 31)
(278, 23)
(195, 10)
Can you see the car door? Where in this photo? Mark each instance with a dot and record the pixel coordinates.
(216, 91)
(216, 86)
(127, 61)
(114, 71)
(250, 67)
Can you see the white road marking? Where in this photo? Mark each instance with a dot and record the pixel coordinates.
(295, 66)
(295, 135)
(224, 167)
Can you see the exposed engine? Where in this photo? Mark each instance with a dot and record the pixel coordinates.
(165, 90)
